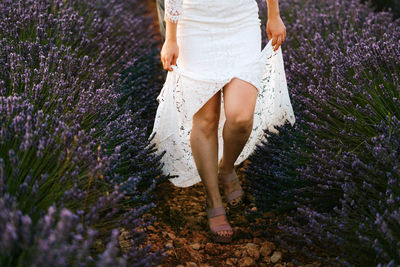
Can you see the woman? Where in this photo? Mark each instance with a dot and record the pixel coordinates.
(221, 92)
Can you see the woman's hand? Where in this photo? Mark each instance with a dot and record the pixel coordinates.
(169, 54)
(276, 30)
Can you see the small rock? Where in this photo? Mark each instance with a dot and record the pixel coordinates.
(276, 256)
(169, 245)
(191, 264)
(180, 265)
(237, 253)
(179, 242)
(171, 235)
(280, 265)
(246, 261)
(194, 255)
(201, 214)
(231, 261)
(243, 252)
(195, 246)
(267, 248)
(253, 250)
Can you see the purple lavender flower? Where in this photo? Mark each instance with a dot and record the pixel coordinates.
(335, 171)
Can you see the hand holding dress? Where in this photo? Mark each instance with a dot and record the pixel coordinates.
(218, 40)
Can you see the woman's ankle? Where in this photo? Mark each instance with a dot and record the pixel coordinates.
(223, 169)
(215, 202)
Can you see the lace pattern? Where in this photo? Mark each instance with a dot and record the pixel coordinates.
(173, 10)
(183, 94)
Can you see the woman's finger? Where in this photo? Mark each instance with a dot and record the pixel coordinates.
(277, 42)
(168, 63)
(163, 62)
(269, 34)
(174, 60)
(274, 40)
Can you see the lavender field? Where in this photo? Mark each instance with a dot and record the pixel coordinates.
(337, 172)
(74, 168)
(79, 184)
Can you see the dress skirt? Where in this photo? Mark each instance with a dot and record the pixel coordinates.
(218, 40)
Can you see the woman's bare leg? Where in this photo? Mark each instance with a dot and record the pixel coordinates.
(204, 145)
(239, 104)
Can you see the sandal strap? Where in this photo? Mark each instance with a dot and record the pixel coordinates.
(213, 212)
(234, 194)
(228, 177)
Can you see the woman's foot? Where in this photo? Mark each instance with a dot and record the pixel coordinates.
(230, 182)
(218, 223)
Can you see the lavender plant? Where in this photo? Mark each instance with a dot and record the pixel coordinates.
(380, 5)
(68, 138)
(342, 68)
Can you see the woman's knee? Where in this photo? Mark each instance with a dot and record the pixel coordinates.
(240, 121)
(240, 99)
(206, 123)
(207, 118)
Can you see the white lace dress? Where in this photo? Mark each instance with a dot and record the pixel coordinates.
(218, 40)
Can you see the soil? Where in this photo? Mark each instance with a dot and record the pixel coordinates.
(182, 230)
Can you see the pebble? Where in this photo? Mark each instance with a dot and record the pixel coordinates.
(171, 235)
(231, 261)
(246, 261)
(237, 253)
(253, 250)
(276, 256)
(195, 246)
(267, 248)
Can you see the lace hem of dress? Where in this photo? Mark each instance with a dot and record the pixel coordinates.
(183, 94)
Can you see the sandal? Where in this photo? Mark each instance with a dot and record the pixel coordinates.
(235, 194)
(213, 212)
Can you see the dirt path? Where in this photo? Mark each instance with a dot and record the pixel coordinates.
(182, 227)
